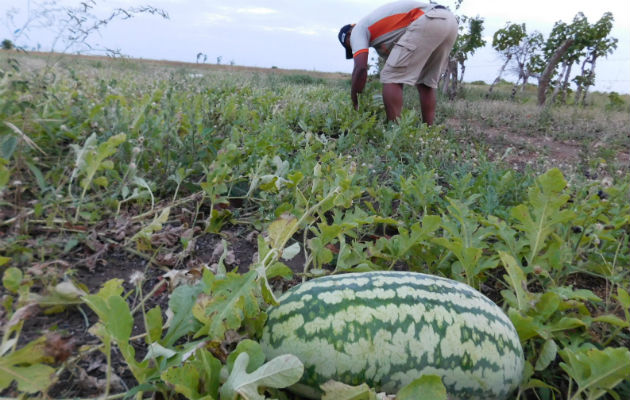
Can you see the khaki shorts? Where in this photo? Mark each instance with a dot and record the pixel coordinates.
(421, 54)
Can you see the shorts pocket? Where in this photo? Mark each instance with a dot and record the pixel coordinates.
(401, 54)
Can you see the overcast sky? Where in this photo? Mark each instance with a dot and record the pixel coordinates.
(302, 34)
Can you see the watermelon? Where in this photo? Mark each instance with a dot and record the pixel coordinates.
(387, 329)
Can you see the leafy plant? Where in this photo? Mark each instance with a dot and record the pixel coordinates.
(92, 158)
(280, 372)
(596, 372)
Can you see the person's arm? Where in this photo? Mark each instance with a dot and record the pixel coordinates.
(359, 77)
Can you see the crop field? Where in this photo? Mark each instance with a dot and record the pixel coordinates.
(151, 213)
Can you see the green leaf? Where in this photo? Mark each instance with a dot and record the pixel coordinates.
(182, 322)
(11, 279)
(156, 350)
(321, 254)
(547, 355)
(537, 383)
(70, 244)
(5, 175)
(114, 312)
(567, 323)
(624, 299)
(196, 379)
(63, 294)
(154, 325)
(596, 371)
(116, 323)
(543, 212)
(427, 387)
(546, 306)
(517, 280)
(568, 293)
(281, 230)
(101, 181)
(30, 379)
(526, 327)
(290, 252)
(622, 296)
(227, 304)
(143, 237)
(278, 373)
(185, 380)
(279, 270)
(25, 367)
(253, 349)
(612, 320)
(334, 390)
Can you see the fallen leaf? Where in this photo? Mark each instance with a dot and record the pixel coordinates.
(58, 347)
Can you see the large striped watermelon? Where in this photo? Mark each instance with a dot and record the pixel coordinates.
(389, 328)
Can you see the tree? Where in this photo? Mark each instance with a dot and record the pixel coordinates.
(72, 28)
(465, 46)
(578, 30)
(552, 63)
(202, 58)
(529, 60)
(599, 44)
(7, 45)
(507, 42)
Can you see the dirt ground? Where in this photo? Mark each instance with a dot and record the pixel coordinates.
(104, 258)
(521, 149)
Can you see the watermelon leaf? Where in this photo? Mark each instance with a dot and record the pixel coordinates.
(624, 299)
(548, 353)
(253, 349)
(226, 304)
(198, 378)
(334, 390)
(427, 387)
(543, 212)
(465, 238)
(11, 279)
(278, 373)
(596, 371)
(25, 367)
(517, 280)
(180, 304)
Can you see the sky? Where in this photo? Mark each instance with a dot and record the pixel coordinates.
(302, 34)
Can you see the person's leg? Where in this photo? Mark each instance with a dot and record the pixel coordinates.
(443, 29)
(393, 100)
(428, 101)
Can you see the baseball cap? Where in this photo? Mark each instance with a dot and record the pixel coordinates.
(342, 38)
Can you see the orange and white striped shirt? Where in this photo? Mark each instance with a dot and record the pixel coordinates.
(385, 25)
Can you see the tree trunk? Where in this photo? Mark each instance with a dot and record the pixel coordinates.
(591, 80)
(565, 84)
(558, 87)
(580, 84)
(545, 77)
(498, 79)
(447, 78)
(515, 87)
(449, 87)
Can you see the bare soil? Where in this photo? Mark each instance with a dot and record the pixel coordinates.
(521, 149)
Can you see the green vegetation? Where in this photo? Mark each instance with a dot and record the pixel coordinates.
(115, 174)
